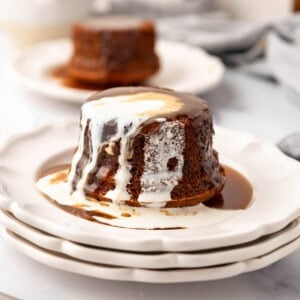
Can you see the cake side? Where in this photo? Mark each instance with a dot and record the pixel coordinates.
(108, 131)
(177, 163)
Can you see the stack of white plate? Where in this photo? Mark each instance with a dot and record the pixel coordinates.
(218, 245)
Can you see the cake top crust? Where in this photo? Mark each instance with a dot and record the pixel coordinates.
(141, 105)
(115, 23)
(150, 102)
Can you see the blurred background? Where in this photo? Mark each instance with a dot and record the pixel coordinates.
(260, 38)
(43, 19)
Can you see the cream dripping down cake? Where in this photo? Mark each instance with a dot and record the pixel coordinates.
(148, 147)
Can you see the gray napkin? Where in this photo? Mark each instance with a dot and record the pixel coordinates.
(266, 49)
(290, 145)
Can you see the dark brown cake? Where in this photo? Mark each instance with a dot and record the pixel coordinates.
(113, 50)
(146, 147)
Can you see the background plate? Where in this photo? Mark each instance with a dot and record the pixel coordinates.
(183, 68)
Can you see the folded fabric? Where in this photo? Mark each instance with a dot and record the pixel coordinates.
(266, 49)
(290, 145)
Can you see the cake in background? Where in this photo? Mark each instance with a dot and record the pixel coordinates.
(157, 154)
(113, 50)
(297, 5)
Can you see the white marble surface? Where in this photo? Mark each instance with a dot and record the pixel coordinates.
(242, 102)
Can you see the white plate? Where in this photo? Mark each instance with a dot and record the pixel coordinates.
(63, 262)
(275, 179)
(155, 260)
(183, 68)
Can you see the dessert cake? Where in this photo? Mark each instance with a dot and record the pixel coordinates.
(113, 50)
(144, 146)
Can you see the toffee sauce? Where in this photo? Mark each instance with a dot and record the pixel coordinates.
(236, 195)
(61, 74)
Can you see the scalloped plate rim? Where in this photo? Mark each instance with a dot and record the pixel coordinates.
(149, 242)
(151, 261)
(145, 275)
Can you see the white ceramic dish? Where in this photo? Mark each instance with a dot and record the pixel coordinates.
(155, 260)
(63, 262)
(183, 68)
(274, 177)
